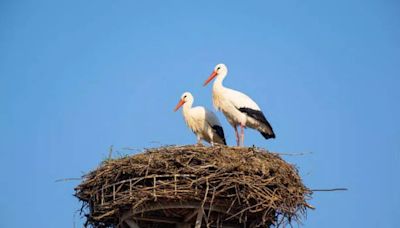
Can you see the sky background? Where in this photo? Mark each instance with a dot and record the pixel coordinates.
(79, 76)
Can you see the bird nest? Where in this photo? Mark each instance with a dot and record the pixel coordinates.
(249, 187)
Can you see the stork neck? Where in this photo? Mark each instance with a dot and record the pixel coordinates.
(218, 81)
(187, 106)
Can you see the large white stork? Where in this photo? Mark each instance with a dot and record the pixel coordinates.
(237, 107)
(202, 122)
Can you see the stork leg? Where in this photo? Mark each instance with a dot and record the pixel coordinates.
(199, 141)
(211, 136)
(237, 135)
(242, 134)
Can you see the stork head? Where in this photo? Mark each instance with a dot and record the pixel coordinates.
(219, 69)
(186, 97)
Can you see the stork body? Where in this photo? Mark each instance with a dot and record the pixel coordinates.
(204, 123)
(238, 108)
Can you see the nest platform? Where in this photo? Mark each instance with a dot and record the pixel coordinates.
(194, 186)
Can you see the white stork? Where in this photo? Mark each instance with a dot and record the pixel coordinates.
(237, 107)
(202, 122)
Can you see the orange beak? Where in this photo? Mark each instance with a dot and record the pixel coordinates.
(180, 103)
(212, 76)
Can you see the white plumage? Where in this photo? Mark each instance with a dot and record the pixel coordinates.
(238, 108)
(202, 122)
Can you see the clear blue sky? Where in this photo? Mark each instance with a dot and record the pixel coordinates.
(79, 76)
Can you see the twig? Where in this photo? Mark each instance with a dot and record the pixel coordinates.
(292, 154)
(130, 148)
(110, 151)
(155, 142)
(329, 190)
(68, 179)
(211, 202)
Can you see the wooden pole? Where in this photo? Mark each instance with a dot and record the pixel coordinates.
(131, 223)
(199, 218)
(183, 225)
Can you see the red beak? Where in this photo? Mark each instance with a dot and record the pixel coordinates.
(212, 76)
(180, 103)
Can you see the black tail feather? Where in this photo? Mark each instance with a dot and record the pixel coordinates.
(268, 136)
(220, 132)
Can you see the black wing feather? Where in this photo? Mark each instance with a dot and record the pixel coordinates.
(220, 132)
(258, 115)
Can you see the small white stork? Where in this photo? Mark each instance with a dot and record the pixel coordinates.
(237, 107)
(202, 122)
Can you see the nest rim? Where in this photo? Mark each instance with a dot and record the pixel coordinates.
(164, 164)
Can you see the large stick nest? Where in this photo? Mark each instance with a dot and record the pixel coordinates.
(234, 185)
